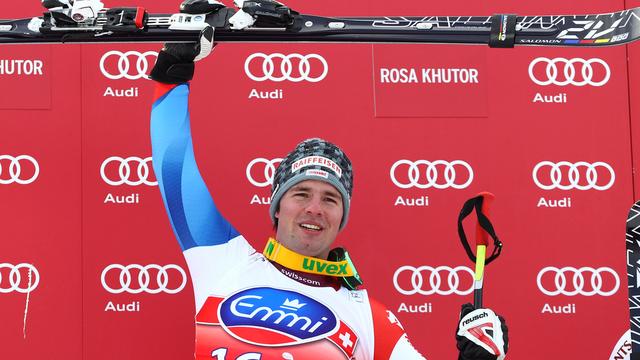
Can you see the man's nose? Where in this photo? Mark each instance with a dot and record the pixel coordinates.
(314, 205)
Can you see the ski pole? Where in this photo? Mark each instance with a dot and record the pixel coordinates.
(481, 250)
(480, 203)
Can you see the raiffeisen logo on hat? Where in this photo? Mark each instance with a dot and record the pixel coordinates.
(316, 160)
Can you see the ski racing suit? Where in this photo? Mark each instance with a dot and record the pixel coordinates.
(248, 308)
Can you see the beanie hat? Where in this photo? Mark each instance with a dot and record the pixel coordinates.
(313, 159)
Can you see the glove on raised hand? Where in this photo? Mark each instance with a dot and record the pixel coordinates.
(175, 62)
(481, 334)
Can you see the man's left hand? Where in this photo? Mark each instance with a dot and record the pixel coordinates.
(481, 334)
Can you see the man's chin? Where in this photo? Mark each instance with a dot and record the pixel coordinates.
(307, 249)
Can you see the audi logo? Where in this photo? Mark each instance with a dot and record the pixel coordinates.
(11, 169)
(420, 283)
(268, 168)
(269, 69)
(143, 283)
(22, 278)
(123, 175)
(586, 75)
(439, 174)
(124, 68)
(593, 176)
(599, 283)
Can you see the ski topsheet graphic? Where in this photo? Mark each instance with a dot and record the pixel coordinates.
(633, 275)
(271, 21)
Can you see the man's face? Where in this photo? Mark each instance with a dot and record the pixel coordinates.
(309, 218)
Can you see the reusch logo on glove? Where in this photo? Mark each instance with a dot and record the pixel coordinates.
(477, 317)
(275, 317)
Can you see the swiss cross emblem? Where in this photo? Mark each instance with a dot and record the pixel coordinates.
(345, 339)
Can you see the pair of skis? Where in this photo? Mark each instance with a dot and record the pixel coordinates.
(271, 21)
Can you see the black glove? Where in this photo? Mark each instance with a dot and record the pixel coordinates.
(481, 334)
(175, 63)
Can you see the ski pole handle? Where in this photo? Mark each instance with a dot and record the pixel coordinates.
(481, 250)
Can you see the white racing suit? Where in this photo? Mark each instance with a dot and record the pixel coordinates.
(248, 308)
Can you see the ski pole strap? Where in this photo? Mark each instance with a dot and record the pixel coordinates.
(503, 31)
(483, 221)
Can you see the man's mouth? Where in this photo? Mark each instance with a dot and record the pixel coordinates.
(310, 227)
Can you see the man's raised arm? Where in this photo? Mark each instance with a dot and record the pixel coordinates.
(192, 212)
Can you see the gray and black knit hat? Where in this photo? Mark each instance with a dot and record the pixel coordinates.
(314, 159)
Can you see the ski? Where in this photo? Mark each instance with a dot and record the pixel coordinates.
(633, 274)
(88, 21)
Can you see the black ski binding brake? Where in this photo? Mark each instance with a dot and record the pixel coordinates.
(91, 15)
(262, 14)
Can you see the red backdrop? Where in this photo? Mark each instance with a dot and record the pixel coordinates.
(77, 195)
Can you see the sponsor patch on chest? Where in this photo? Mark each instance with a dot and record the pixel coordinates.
(276, 317)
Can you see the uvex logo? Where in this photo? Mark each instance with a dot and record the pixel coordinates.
(323, 267)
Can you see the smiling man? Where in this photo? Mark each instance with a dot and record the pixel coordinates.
(300, 298)
(309, 218)
(310, 197)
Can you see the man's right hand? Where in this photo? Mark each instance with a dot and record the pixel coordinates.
(175, 62)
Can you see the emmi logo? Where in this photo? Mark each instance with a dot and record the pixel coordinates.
(270, 316)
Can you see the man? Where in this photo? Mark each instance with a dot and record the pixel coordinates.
(300, 298)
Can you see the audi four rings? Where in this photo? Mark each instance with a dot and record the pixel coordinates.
(13, 172)
(449, 178)
(591, 174)
(15, 282)
(268, 171)
(427, 280)
(143, 279)
(124, 60)
(124, 171)
(577, 275)
(286, 71)
(586, 76)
